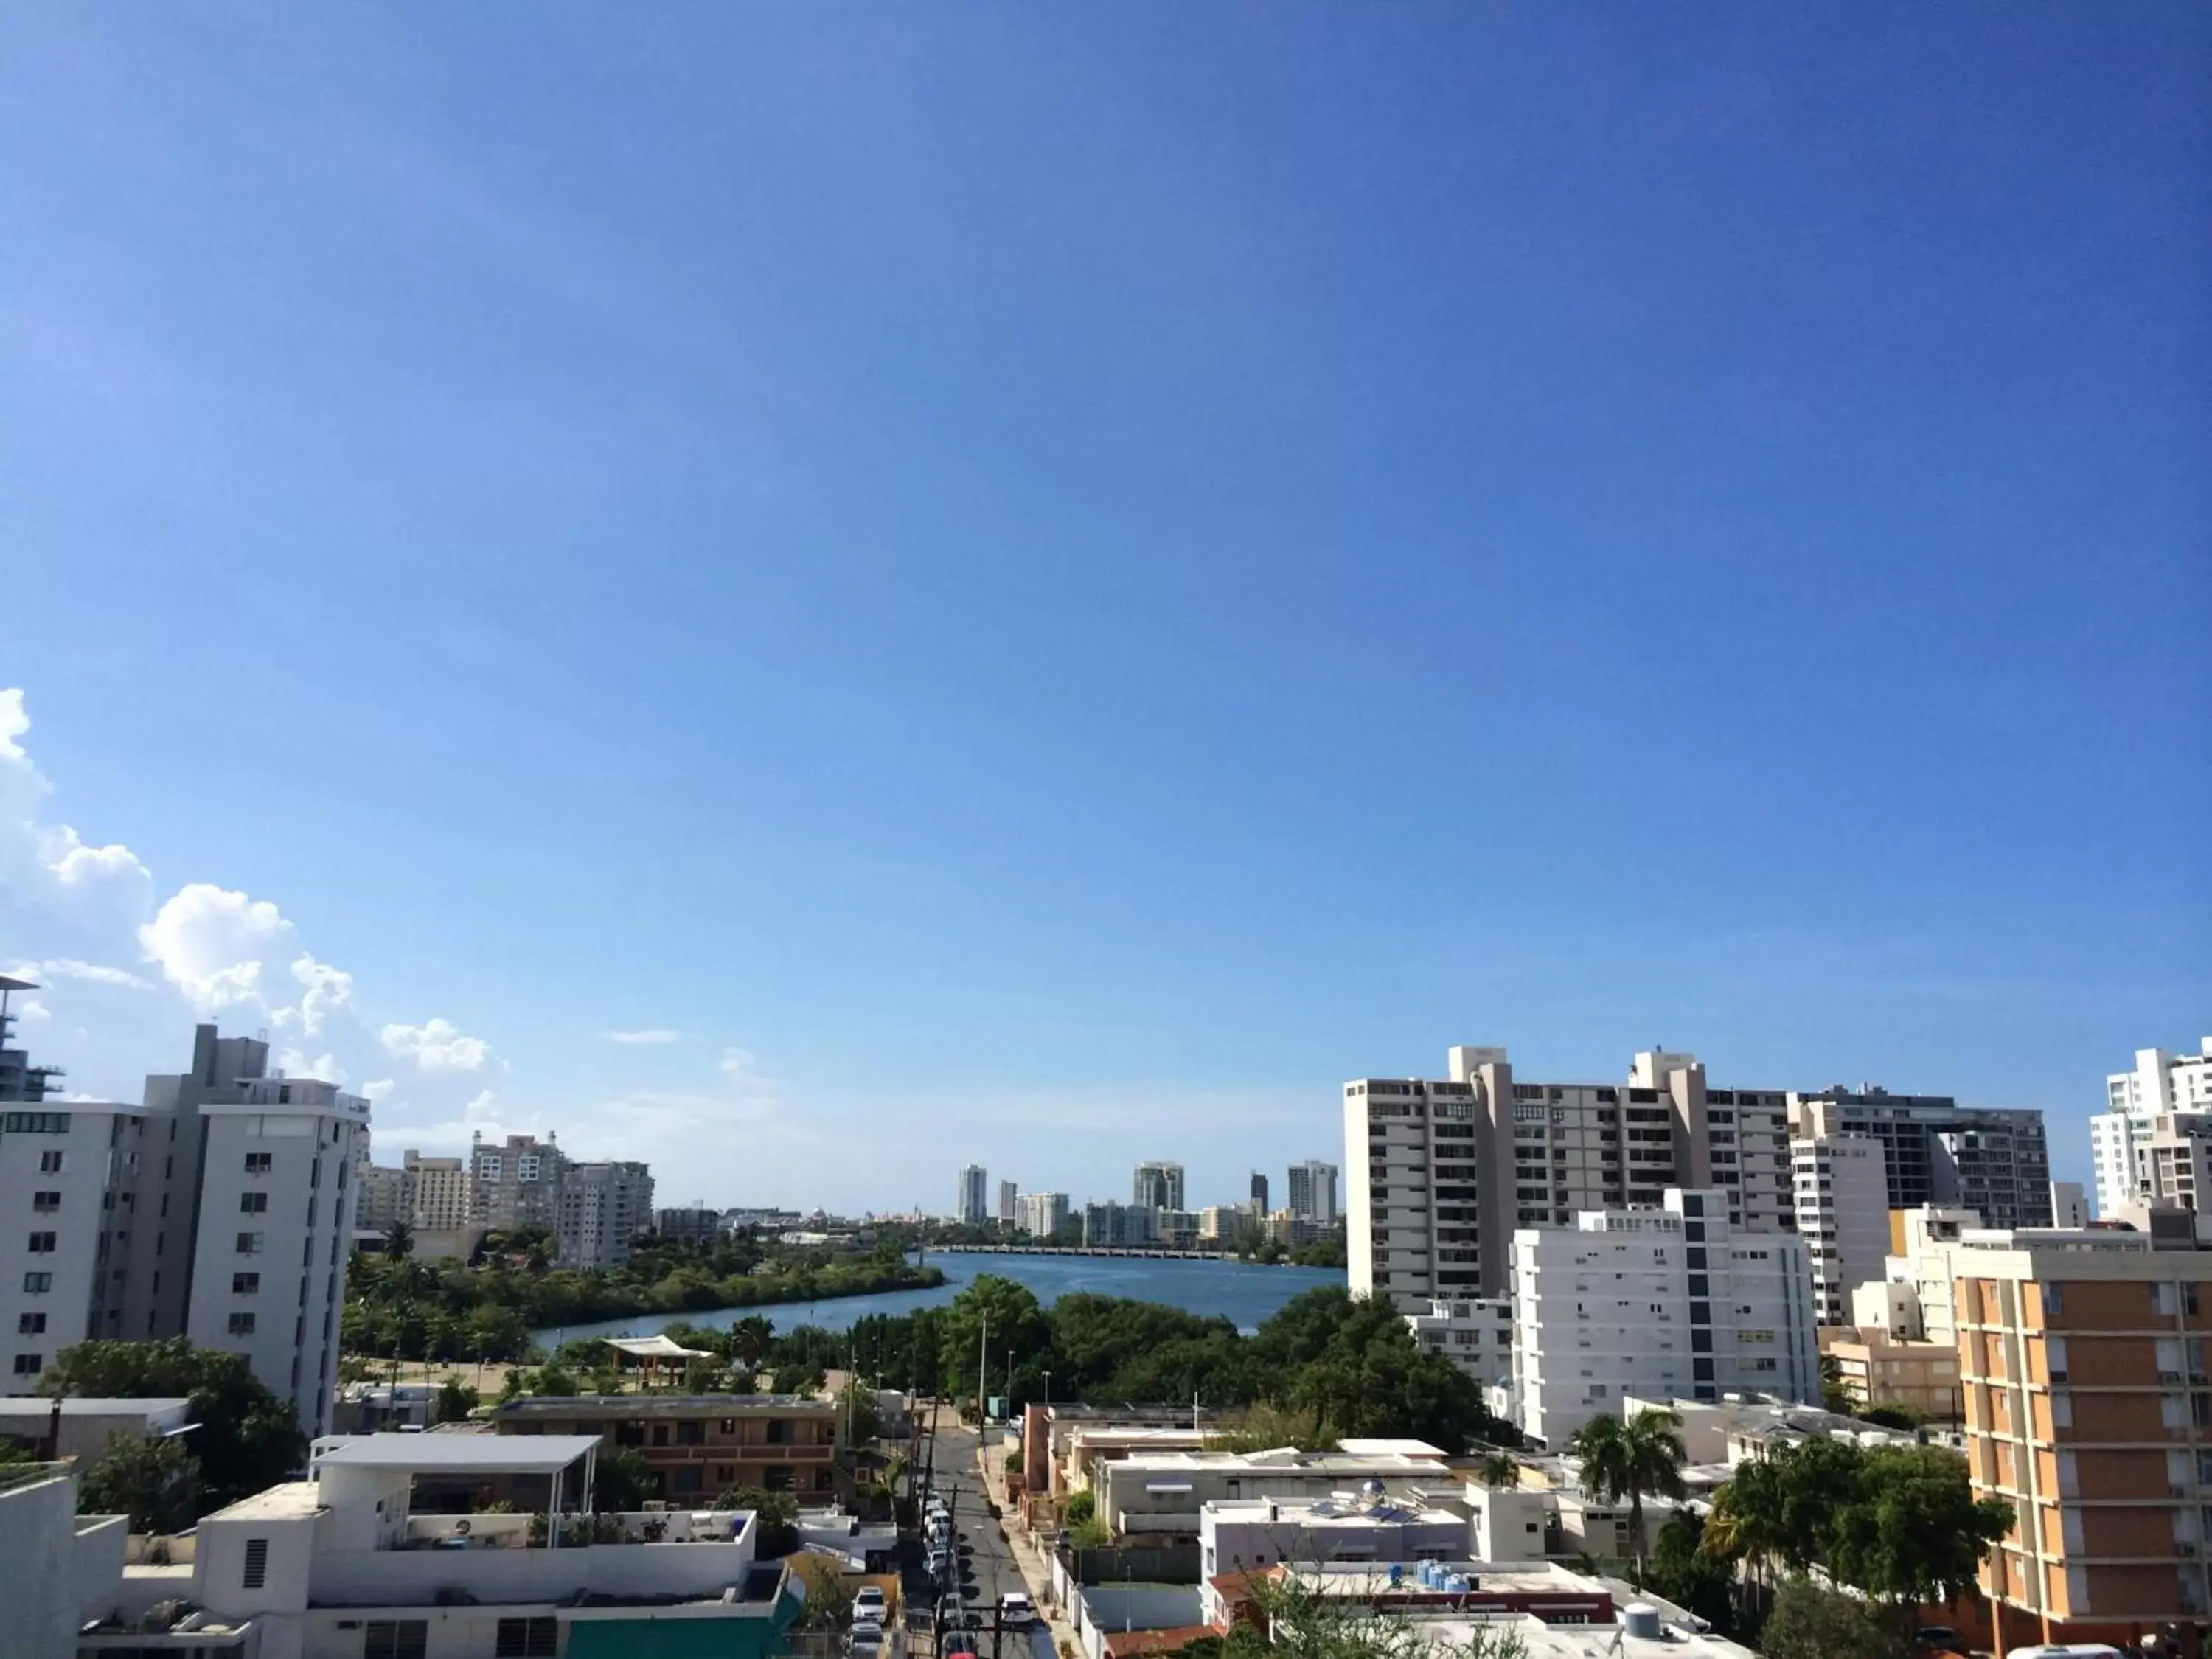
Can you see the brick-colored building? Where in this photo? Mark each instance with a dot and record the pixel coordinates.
(700, 1445)
(2089, 1408)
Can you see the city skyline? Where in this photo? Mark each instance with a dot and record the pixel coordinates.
(782, 604)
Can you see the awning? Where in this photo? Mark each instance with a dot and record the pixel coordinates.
(655, 1347)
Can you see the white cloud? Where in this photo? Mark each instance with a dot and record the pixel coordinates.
(33, 1009)
(328, 989)
(14, 722)
(324, 1068)
(656, 1034)
(437, 1045)
(211, 943)
(484, 1109)
(377, 1089)
(71, 967)
(740, 1065)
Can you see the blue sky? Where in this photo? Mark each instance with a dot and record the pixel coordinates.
(1044, 585)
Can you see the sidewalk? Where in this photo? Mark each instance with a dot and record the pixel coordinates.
(1035, 1567)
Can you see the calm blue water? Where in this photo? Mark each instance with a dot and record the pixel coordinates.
(1246, 1293)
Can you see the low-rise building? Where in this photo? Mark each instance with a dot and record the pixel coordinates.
(1876, 1369)
(342, 1565)
(1158, 1497)
(59, 1566)
(698, 1446)
(1242, 1535)
(1474, 1332)
(694, 1225)
(80, 1427)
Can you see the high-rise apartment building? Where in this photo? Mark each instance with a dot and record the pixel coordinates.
(1842, 1215)
(2088, 1409)
(384, 1197)
(1439, 1174)
(604, 1207)
(1259, 1195)
(516, 1184)
(68, 1174)
(1675, 1302)
(443, 1192)
(1993, 1160)
(1010, 1203)
(972, 1207)
(1110, 1223)
(1157, 1186)
(18, 1079)
(1043, 1214)
(2158, 1085)
(693, 1223)
(1312, 1192)
(275, 1228)
(2069, 1205)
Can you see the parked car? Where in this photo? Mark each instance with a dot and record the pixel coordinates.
(866, 1642)
(959, 1645)
(952, 1613)
(868, 1604)
(1016, 1609)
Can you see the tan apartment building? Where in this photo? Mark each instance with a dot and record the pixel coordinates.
(2088, 1409)
(1875, 1368)
(699, 1446)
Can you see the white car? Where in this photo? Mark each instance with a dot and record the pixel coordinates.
(868, 1605)
(1015, 1609)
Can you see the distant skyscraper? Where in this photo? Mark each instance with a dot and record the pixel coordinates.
(1157, 1186)
(1043, 1214)
(1010, 1199)
(973, 1207)
(1259, 1194)
(1313, 1192)
(2120, 1135)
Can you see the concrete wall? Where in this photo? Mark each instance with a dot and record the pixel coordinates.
(1104, 1610)
(368, 1578)
(38, 1527)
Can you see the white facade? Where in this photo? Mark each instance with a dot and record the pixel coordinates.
(275, 1224)
(1474, 1332)
(603, 1207)
(2069, 1205)
(517, 1184)
(1043, 1214)
(1159, 1495)
(2158, 1083)
(973, 1206)
(1842, 1215)
(1236, 1536)
(59, 1564)
(67, 1175)
(1312, 1193)
(1010, 1203)
(1676, 1302)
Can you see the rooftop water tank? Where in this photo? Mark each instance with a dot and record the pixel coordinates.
(1641, 1620)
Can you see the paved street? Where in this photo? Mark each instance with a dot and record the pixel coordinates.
(987, 1562)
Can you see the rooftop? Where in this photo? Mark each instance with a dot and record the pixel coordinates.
(33, 1406)
(293, 1498)
(1427, 1461)
(615, 1404)
(462, 1454)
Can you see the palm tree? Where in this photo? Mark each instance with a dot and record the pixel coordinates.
(400, 1239)
(1497, 1469)
(1749, 1526)
(1627, 1459)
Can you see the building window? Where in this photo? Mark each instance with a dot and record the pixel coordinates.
(252, 1203)
(259, 1162)
(241, 1324)
(257, 1564)
(27, 1365)
(249, 1244)
(42, 1243)
(245, 1284)
(396, 1638)
(527, 1638)
(46, 1200)
(31, 1324)
(37, 1284)
(691, 1433)
(50, 1163)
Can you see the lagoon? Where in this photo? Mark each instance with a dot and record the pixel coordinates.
(1243, 1291)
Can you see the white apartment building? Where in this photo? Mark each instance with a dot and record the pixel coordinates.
(1930, 1234)
(1312, 1193)
(2177, 1160)
(973, 1206)
(67, 1175)
(1677, 1301)
(384, 1197)
(2069, 1205)
(1251, 1533)
(1156, 1185)
(218, 1209)
(516, 1184)
(276, 1224)
(1010, 1203)
(604, 1207)
(443, 1193)
(1158, 1497)
(1043, 1214)
(1439, 1173)
(1994, 1160)
(2157, 1084)
(1843, 1216)
(1474, 1332)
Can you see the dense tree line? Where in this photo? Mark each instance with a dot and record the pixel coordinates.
(486, 1309)
(1327, 1366)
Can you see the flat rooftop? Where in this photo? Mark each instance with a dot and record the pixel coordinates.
(648, 1405)
(462, 1454)
(1370, 1580)
(1288, 1459)
(293, 1498)
(28, 1407)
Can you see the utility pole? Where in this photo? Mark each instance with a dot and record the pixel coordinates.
(983, 1348)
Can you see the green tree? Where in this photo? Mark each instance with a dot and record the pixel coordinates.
(623, 1480)
(455, 1401)
(247, 1439)
(1683, 1572)
(1080, 1507)
(776, 1518)
(1915, 1533)
(1496, 1469)
(1748, 1528)
(400, 1239)
(153, 1479)
(1810, 1622)
(996, 1312)
(1628, 1460)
